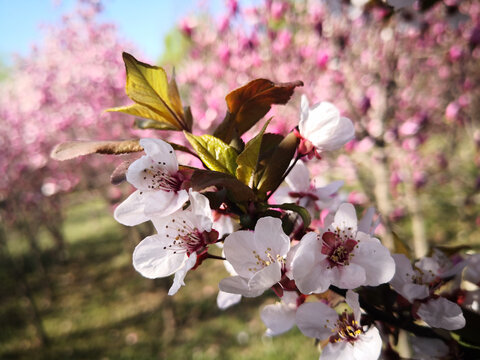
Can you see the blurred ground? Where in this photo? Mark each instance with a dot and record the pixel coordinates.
(98, 307)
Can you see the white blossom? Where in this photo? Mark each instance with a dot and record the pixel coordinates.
(342, 256)
(322, 127)
(417, 284)
(257, 257)
(181, 237)
(347, 338)
(299, 190)
(158, 182)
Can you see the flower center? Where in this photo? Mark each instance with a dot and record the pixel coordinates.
(158, 178)
(346, 329)
(187, 238)
(338, 248)
(266, 259)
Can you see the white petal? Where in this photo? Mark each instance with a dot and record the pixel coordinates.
(338, 351)
(403, 273)
(368, 346)
(442, 313)
(181, 273)
(269, 235)
(345, 217)
(325, 128)
(238, 285)
(200, 208)
(164, 203)
(299, 178)
(249, 252)
(342, 133)
(430, 268)
(412, 292)
(160, 151)
(349, 276)
(322, 117)
(472, 271)
(153, 261)
(376, 260)
(304, 111)
(289, 298)
(316, 320)
(265, 278)
(278, 318)
(238, 248)
(226, 300)
(325, 193)
(365, 225)
(131, 211)
(352, 301)
(306, 272)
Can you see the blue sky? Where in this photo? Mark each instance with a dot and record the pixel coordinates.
(144, 22)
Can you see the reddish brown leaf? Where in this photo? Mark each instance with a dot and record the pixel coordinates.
(248, 104)
(202, 179)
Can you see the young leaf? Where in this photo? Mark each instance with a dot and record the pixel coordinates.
(248, 104)
(155, 97)
(152, 124)
(278, 163)
(72, 149)
(237, 191)
(214, 153)
(247, 160)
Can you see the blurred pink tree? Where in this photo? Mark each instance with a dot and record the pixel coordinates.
(58, 93)
(407, 78)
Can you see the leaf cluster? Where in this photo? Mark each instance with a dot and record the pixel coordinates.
(238, 175)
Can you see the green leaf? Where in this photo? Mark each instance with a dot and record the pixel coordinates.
(278, 163)
(214, 153)
(156, 98)
(236, 190)
(248, 160)
(300, 210)
(151, 124)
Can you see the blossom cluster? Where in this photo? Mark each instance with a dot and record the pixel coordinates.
(276, 228)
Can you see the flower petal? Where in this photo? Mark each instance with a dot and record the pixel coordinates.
(338, 351)
(226, 300)
(131, 211)
(238, 248)
(161, 151)
(442, 313)
(164, 203)
(181, 273)
(306, 269)
(352, 301)
(278, 318)
(265, 278)
(299, 178)
(316, 320)
(153, 260)
(269, 235)
(368, 346)
(349, 276)
(345, 217)
(237, 285)
(376, 260)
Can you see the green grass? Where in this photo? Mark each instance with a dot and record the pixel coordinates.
(102, 309)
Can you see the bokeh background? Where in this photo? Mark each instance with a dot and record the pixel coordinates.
(407, 75)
